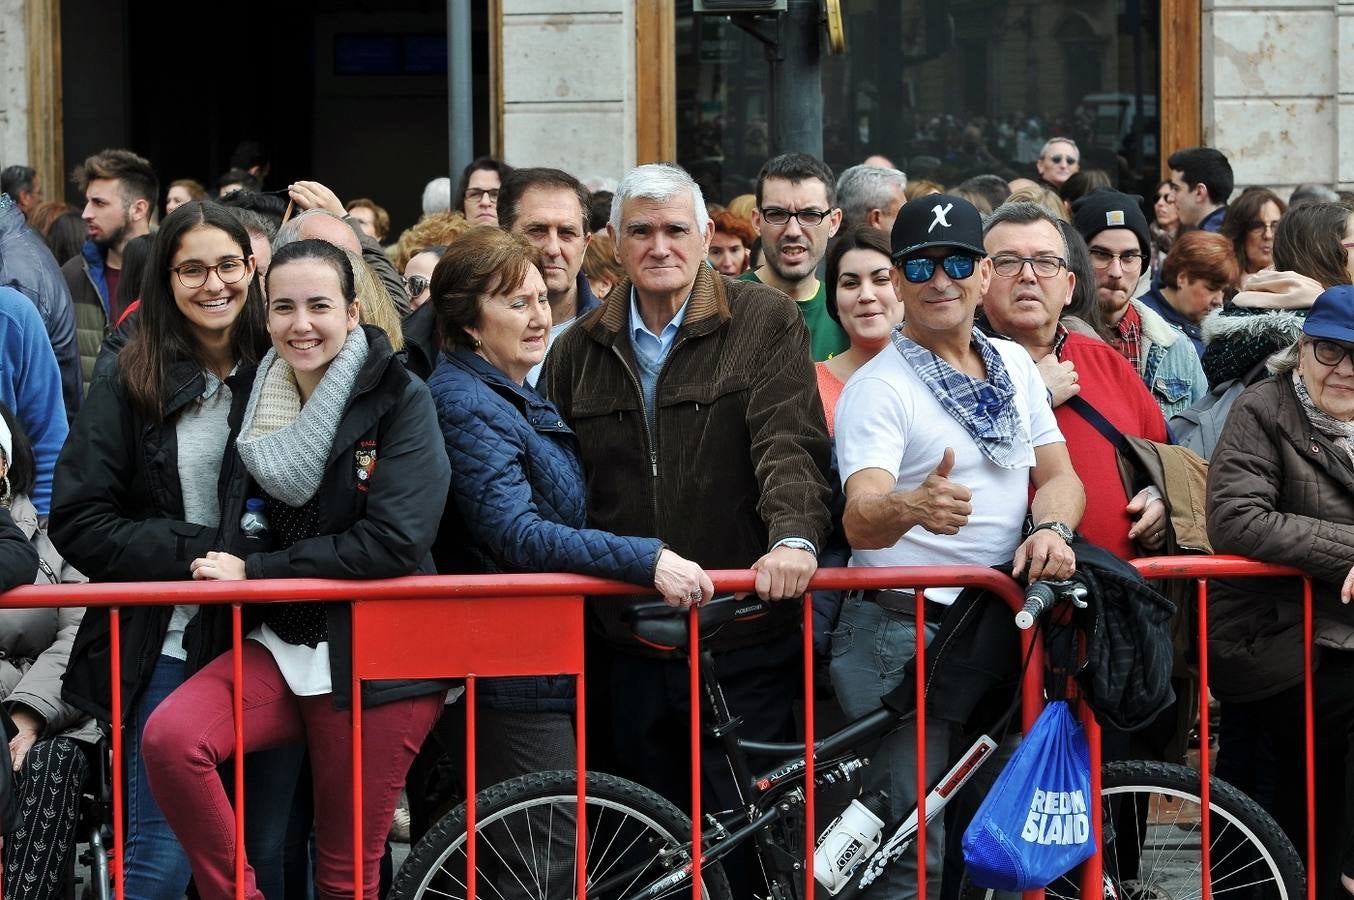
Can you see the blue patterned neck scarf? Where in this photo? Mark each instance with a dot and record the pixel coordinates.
(986, 409)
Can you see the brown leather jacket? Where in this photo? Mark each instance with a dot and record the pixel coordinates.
(738, 455)
(1280, 492)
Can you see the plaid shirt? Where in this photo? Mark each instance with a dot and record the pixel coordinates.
(1128, 337)
(1060, 340)
(986, 409)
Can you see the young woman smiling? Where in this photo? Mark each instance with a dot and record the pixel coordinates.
(861, 299)
(344, 449)
(135, 495)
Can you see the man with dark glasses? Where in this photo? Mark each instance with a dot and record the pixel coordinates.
(1059, 161)
(939, 439)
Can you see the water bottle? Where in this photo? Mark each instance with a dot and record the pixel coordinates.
(849, 840)
(254, 523)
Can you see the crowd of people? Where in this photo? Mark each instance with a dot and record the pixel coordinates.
(638, 383)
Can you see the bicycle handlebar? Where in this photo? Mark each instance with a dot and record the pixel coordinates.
(1040, 595)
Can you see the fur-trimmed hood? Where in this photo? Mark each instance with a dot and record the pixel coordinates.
(1156, 329)
(1282, 326)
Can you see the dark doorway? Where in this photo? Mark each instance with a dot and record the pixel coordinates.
(352, 94)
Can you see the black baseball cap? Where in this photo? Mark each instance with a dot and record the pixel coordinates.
(937, 220)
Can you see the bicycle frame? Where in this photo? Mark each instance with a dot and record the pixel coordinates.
(767, 798)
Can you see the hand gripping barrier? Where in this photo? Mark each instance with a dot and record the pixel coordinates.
(483, 626)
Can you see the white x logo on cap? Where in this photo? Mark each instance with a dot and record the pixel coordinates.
(940, 212)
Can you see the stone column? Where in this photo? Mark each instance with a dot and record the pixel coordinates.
(13, 84)
(1278, 88)
(568, 74)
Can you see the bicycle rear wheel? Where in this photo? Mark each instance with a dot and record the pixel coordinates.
(525, 844)
(1152, 841)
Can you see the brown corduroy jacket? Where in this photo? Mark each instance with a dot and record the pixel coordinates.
(738, 455)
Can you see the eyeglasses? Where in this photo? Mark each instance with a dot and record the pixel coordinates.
(774, 215)
(1331, 354)
(416, 284)
(921, 269)
(1008, 264)
(194, 274)
(1101, 259)
(1263, 227)
(1168, 196)
(474, 194)
(1058, 159)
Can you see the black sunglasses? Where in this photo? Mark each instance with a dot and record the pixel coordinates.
(921, 269)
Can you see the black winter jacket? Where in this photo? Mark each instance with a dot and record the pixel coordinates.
(117, 515)
(379, 526)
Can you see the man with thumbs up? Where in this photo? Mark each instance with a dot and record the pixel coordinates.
(940, 439)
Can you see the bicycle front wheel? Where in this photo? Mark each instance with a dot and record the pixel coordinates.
(525, 839)
(1153, 840)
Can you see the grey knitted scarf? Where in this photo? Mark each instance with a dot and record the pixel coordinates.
(285, 444)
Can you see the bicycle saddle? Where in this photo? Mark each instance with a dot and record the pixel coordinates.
(663, 626)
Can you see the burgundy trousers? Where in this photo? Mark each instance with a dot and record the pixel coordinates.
(192, 733)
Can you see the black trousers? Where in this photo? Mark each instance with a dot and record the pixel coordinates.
(1261, 751)
(37, 856)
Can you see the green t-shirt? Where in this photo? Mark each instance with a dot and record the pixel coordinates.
(826, 337)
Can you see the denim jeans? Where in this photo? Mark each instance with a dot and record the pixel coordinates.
(156, 865)
(871, 650)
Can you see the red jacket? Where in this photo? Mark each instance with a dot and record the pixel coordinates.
(1111, 385)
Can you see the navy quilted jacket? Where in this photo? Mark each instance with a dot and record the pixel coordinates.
(518, 501)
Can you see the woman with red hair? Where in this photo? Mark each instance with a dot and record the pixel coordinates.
(731, 247)
(1194, 275)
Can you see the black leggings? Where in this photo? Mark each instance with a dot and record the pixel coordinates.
(37, 856)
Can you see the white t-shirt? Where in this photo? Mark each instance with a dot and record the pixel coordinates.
(888, 419)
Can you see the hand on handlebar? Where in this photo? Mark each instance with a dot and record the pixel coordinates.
(1044, 556)
(681, 582)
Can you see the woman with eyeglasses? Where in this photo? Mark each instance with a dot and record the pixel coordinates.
(1312, 252)
(135, 498)
(1281, 490)
(1194, 277)
(1250, 224)
(477, 195)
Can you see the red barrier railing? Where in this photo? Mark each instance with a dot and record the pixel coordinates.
(533, 624)
(1204, 568)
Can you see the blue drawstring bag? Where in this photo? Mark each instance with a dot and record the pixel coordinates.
(1035, 823)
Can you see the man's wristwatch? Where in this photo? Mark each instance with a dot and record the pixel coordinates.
(799, 544)
(1057, 528)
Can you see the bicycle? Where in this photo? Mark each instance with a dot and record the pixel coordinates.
(638, 845)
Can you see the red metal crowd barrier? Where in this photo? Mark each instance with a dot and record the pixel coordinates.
(491, 626)
(1203, 568)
